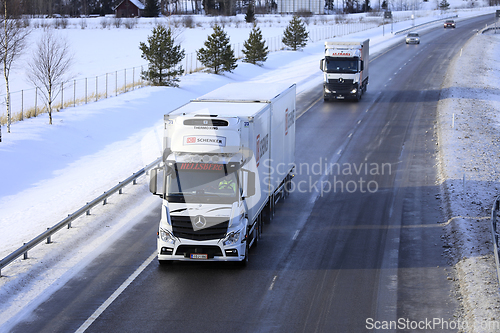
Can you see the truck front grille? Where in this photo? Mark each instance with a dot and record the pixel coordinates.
(216, 228)
(340, 85)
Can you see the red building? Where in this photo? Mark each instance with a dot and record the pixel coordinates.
(129, 8)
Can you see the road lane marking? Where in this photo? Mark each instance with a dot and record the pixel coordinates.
(115, 295)
(272, 283)
(296, 235)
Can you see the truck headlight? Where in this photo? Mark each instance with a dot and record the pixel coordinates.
(232, 238)
(354, 91)
(166, 236)
(328, 91)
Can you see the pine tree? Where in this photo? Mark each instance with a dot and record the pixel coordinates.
(444, 5)
(250, 15)
(295, 35)
(217, 53)
(255, 48)
(163, 57)
(151, 9)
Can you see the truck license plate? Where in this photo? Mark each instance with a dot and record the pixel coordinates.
(198, 256)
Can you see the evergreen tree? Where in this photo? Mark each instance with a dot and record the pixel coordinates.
(250, 15)
(444, 5)
(217, 53)
(255, 47)
(163, 57)
(295, 35)
(151, 9)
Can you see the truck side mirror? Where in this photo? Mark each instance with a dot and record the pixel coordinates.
(249, 179)
(251, 184)
(322, 64)
(362, 66)
(156, 181)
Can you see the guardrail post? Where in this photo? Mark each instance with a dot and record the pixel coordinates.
(25, 255)
(48, 238)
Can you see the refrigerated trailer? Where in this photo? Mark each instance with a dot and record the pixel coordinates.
(228, 157)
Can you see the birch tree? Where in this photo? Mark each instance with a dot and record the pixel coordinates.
(49, 68)
(12, 44)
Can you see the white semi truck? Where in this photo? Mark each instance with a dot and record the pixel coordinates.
(345, 68)
(229, 156)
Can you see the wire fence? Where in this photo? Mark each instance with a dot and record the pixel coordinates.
(31, 103)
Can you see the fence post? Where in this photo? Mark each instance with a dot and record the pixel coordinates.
(116, 83)
(22, 105)
(62, 95)
(106, 85)
(74, 93)
(36, 98)
(125, 77)
(96, 87)
(86, 87)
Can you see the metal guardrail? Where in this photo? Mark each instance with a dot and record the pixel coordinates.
(423, 24)
(23, 250)
(494, 232)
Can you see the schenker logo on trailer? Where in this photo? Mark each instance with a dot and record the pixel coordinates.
(205, 140)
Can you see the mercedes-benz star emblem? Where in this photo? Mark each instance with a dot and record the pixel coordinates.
(341, 80)
(200, 222)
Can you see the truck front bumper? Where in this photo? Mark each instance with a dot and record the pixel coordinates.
(334, 92)
(209, 250)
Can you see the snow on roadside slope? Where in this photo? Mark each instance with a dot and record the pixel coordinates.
(469, 131)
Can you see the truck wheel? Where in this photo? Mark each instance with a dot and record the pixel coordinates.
(259, 228)
(244, 262)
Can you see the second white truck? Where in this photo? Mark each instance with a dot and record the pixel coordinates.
(345, 68)
(229, 156)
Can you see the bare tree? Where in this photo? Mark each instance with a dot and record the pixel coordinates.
(12, 44)
(49, 68)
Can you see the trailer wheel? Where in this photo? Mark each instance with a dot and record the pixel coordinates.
(267, 213)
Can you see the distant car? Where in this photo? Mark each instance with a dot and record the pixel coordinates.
(413, 38)
(449, 24)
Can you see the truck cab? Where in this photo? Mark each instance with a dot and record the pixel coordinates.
(345, 68)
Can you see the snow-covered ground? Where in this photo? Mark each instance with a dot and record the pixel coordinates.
(469, 132)
(50, 171)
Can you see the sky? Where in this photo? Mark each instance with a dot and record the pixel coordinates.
(49, 171)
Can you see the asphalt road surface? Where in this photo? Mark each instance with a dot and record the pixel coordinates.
(356, 244)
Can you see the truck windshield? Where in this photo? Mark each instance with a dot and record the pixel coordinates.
(195, 182)
(339, 65)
